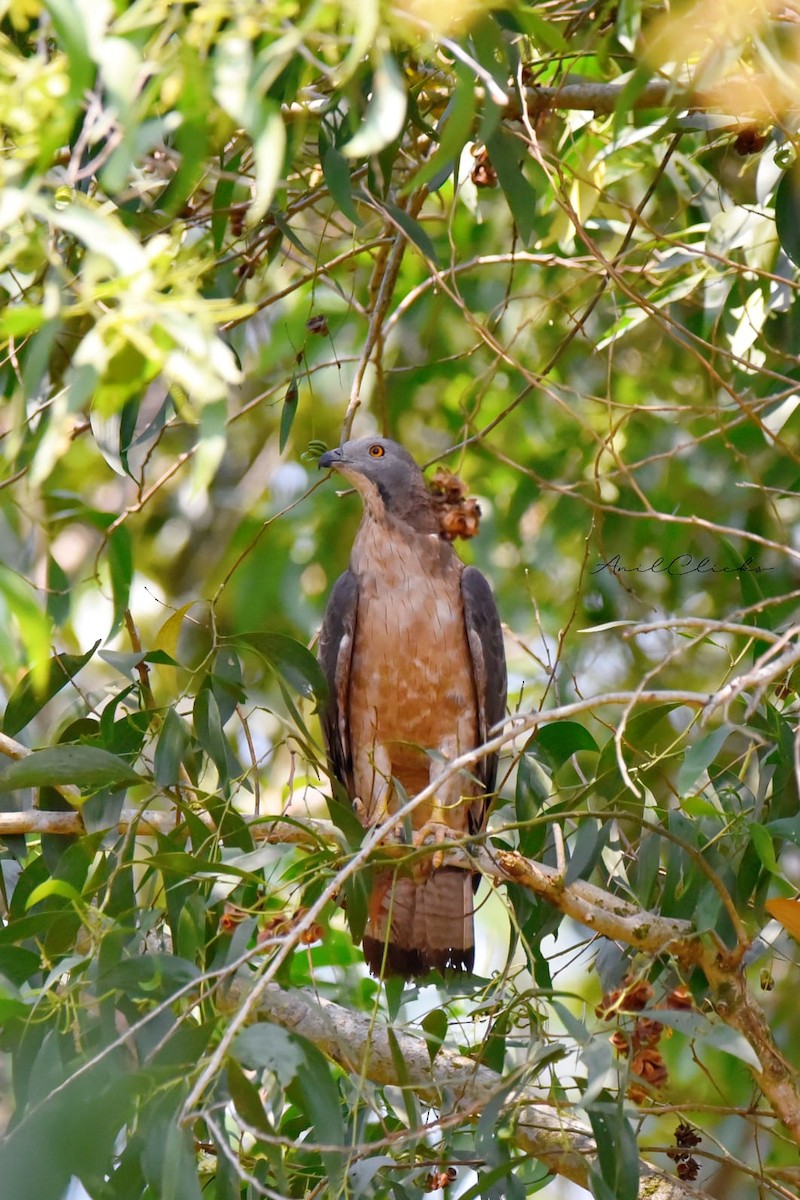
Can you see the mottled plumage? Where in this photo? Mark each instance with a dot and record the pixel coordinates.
(412, 649)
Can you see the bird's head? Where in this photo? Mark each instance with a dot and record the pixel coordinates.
(386, 476)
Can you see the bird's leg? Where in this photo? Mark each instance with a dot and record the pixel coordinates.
(361, 811)
(436, 830)
(446, 817)
(378, 771)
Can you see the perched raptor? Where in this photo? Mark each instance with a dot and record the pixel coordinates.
(412, 649)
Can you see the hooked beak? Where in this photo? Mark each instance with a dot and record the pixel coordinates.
(331, 458)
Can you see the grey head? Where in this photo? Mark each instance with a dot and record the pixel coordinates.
(387, 477)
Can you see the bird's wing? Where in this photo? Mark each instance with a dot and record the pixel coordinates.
(485, 637)
(335, 653)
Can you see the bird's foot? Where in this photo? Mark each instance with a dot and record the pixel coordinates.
(360, 809)
(437, 833)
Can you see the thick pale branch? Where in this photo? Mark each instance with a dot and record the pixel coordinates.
(591, 96)
(603, 98)
(150, 820)
(610, 916)
(361, 1045)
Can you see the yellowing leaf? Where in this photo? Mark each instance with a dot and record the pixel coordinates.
(170, 631)
(787, 912)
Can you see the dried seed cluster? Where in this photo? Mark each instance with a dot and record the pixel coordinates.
(458, 514)
(640, 1043)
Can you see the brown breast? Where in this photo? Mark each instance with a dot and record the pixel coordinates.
(411, 684)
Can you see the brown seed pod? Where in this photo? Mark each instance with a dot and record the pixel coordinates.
(650, 1067)
(633, 996)
(679, 998)
(647, 1032)
(318, 324)
(687, 1135)
(688, 1169)
(483, 173)
(750, 141)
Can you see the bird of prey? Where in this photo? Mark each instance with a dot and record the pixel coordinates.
(412, 649)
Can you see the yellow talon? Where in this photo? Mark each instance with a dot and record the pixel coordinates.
(439, 833)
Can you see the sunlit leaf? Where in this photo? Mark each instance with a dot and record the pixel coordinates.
(764, 847)
(32, 622)
(269, 142)
(455, 128)
(386, 112)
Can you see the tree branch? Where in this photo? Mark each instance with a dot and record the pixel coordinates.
(361, 1046)
(150, 820)
(621, 921)
(604, 98)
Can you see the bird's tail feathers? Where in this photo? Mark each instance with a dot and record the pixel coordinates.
(419, 925)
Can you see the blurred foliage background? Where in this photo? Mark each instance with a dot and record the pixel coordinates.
(551, 245)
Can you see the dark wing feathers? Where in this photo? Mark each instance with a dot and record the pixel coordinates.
(336, 640)
(485, 637)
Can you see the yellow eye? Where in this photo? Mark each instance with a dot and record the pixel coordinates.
(376, 451)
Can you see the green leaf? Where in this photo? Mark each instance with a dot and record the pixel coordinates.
(762, 841)
(402, 1077)
(587, 848)
(434, 1025)
(59, 599)
(53, 887)
(269, 142)
(246, 1097)
(33, 624)
(506, 155)
(271, 1047)
(99, 230)
(87, 767)
(209, 732)
(172, 745)
(179, 1180)
(120, 562)
(223, 199)
(556, 743)
(699, 756)
(315, 1091)
(288, 413)
(700, 1028)
(192, 135)
(27, 700)
(211, 443)
(454, 130)
(336, 171)
(787, 213)
(544, 33)
(386, 113)
(411, 228)
(292, 660)
(617, 1154)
